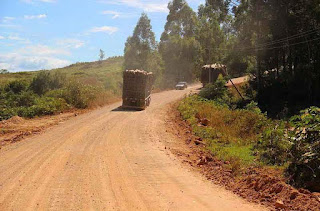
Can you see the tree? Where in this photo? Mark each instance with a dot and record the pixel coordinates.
(4, 71)
(282, 36)
(178, 46)
(101, 55)
(141, 49)
(212, 31)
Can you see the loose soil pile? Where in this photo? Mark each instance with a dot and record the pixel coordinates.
(17, 128)
(261, 185)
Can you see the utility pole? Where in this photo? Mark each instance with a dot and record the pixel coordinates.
(258, 12)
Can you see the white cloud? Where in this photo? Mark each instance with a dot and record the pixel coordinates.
(10, 26)
(34, 58)
(30, 17)
(106, 29)
(15, 38)
(8, 19)
(160, 6)
(6, 22)
(35, 1)
(43, 50)
(114, 14)
(71, 43)
(17, 62)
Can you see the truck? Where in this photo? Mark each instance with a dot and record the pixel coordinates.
(210, 73)
(137, 87)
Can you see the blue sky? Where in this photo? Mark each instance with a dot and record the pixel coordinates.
(46, 34)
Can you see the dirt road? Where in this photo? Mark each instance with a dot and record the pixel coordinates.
(107, 160)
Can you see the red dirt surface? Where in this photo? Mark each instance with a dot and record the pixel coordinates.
(17, 128)
(260, 185)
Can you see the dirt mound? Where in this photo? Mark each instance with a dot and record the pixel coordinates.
(17, 128)
(261, 185)
(268, 188)
(13, 120)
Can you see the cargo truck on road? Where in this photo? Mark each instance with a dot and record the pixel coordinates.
(137, 87)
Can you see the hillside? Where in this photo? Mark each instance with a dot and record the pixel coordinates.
(106, 73)
(80, 85)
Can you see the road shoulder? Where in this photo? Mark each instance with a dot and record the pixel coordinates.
(256, 186)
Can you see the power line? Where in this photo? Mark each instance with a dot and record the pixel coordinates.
(260, 49)
(299, 35)
(290, 44)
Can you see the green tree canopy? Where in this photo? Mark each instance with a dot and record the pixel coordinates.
(213, 16)
(178, 45)
(141, 48)
(283, 38)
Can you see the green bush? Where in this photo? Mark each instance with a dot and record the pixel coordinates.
(216, 91)
(297, 146)
(80, 95)
(40, 84)
(16, 87)
(43, 106)
(7, 112)
(304, 168)
(57, 80)
(274, 145)
(253, 106)
(26, 99)
(47, 80)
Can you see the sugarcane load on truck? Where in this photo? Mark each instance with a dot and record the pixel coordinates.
(137, 87)
(210, 73)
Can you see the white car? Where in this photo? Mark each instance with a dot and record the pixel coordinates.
(181, 86)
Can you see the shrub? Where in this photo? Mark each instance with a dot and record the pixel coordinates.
(43, 106)
(298, 147)
(40, 83)
(57, 80)
(82, 96)
(26, 99)
(274, 145)
(16, 87)
(304, 169)
(253, 106)
(7, 112)
(46, 80)
(216, 91)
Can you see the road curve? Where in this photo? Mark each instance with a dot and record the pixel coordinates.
(107, 160)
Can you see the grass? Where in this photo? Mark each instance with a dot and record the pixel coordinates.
(230, 134)
(244, 153)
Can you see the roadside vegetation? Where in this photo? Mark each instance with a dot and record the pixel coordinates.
(236, 131)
